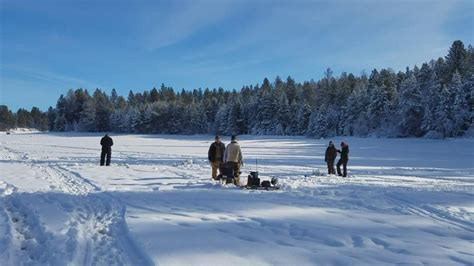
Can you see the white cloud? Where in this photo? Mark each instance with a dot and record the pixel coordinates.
(165, 25)
(53, 79)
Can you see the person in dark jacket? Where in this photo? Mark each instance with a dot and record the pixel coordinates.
(330, 157)
(107, 144)
(343, 160)
(216, 155)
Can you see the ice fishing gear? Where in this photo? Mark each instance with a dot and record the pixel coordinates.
(252, 179)
(227, 173)
(274, 181)
(266, 184)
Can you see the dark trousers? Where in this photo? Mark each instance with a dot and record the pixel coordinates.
(102, 157)
(331, 170)
(236, 169)
(344, 167)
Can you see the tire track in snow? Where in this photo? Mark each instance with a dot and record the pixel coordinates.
(7, 257)
(101, 226)
(25, 239)
(95, 232)
(67, 181)
(10, 154)
(100, 221)
(430, 213)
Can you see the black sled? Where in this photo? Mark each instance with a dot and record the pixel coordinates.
(253, 182)
(226, 175)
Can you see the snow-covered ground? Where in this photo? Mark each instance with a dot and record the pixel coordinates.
(406, 201)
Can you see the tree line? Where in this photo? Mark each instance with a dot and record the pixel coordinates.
(435, 100)
(23, 118)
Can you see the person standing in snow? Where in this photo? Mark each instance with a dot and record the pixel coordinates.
(107, 144)
(343, 160)
(330, 157)
(216, 155)
(233, 157)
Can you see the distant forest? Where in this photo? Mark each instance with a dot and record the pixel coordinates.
(435, 101)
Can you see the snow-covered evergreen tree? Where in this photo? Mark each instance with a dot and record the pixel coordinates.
(384, 104)
(411, 109)
(317, 126)
(87, 118)
(379, 109)
(444, 122)
(461, 114)
(267, 111)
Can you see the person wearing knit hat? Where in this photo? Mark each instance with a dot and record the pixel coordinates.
(216, 155)
(233, 157)
(330, 157)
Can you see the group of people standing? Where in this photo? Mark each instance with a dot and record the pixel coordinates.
(218, 153)
(231, 155)
(331, 155)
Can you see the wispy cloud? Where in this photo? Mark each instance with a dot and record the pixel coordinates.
(53, 79)
(212, 43)
(171, 22)
(301, 40)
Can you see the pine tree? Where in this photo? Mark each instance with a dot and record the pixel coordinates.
(282, 112)
(132, 120)
(87, 120)
(103, 108)
(24, 119)
(317, 126)
(378, 109)
(7, 119)
(291, 90)
(456, 60)
(235, 125)
(266, 116)
(469, 62)
(222, 118)
(154, 95)
(411, 109)
(461, 112)
(444, 121)
(60, 123)
(52, 113)
(302, 119)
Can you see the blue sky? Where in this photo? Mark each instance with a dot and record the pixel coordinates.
(50, 46)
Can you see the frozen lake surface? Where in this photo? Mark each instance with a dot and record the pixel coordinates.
(406, 201)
